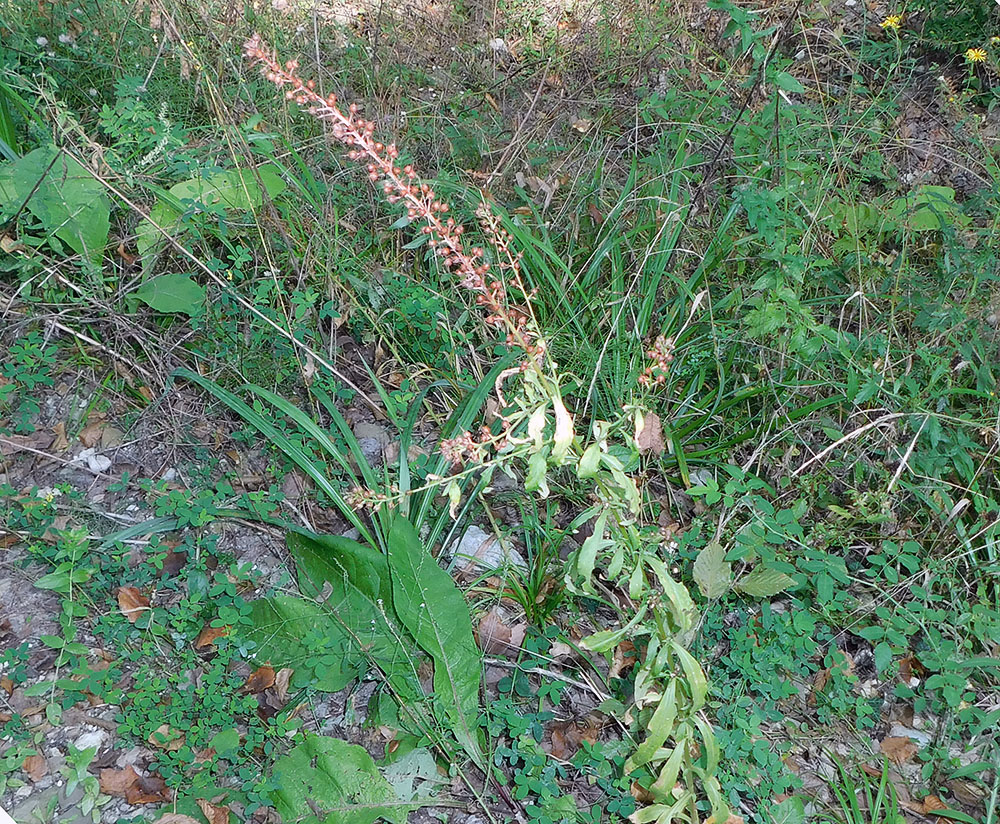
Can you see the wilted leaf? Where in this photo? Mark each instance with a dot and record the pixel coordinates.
(36, 767)
(712, 572)
(649, 434)
(763, 583)
(493, 635)
(132, 603)
(134, 788)
(214, 813)
(898, 749)
(328, 780)
(209, 635)
(90, 435)
(259, 680)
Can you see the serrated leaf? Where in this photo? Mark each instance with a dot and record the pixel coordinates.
(763, 583)
(328, 781)
(172, 293)
(432, 608)
(712, 572)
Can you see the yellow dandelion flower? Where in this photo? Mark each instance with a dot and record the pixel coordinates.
(976, 55)
(995, 41)
(893, 21)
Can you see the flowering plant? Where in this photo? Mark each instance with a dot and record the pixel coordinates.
(679, 751)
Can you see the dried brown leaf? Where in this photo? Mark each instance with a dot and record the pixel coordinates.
(166, 738)
(649, 434)
(898, 749)
(134, 788)
(61, 442)
(90, 435)
(36, 767)
(7, 685)
(209, 635)
(132, 603)
(259, 680)
(281, 681)
(493, 634)
(214, 813)
(176, 818)
(932, 804)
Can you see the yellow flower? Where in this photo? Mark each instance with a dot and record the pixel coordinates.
(995, 41)
(976, 55)
(893, 21)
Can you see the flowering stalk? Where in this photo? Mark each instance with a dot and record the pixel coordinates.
(400, 184)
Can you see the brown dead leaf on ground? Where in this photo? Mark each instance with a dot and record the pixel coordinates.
(174, 563)
(7, 685)
(90, 435)
(622, 659)
(8, 539)
(134, 788)
(176, 818)
(898, 749)
(166, 738)
(61, 442)
(493, 634)
(132, 603)
(259, 680)
(36, 767)
(214, 813)
(209, 635)
(649, 434)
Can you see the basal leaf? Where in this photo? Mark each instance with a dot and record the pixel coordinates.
(67, 199)
(353, 581)
(300, 634)
(328, 781)
(174, 292)
(711, 571)
(432, 608)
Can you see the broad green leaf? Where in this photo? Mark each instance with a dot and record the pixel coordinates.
(225, 741)
(300, 634)
(432, 608)
(788, 83)
(328, 781)
(590, 461)
(67, 199)
(353, 581)
(712, 572)
(790, 811)
(174, 292)
(232, 189)
(763, 583)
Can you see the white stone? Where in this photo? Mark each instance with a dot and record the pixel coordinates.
(91, 738)
(98, 463)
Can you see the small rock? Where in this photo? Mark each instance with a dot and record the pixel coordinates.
(99, 463)
(477, 550)
(92, 738)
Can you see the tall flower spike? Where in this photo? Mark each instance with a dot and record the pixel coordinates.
(401, 186)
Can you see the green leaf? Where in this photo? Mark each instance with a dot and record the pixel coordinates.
(787, 83)
(712, 572)
(790, 811)
(67, 199)
(763, 583)
(232, 189)
(58, 581)
(328, 781)
(300, 634)
(172, 293)
(354, 582)
(432, 608)
(225, 741)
